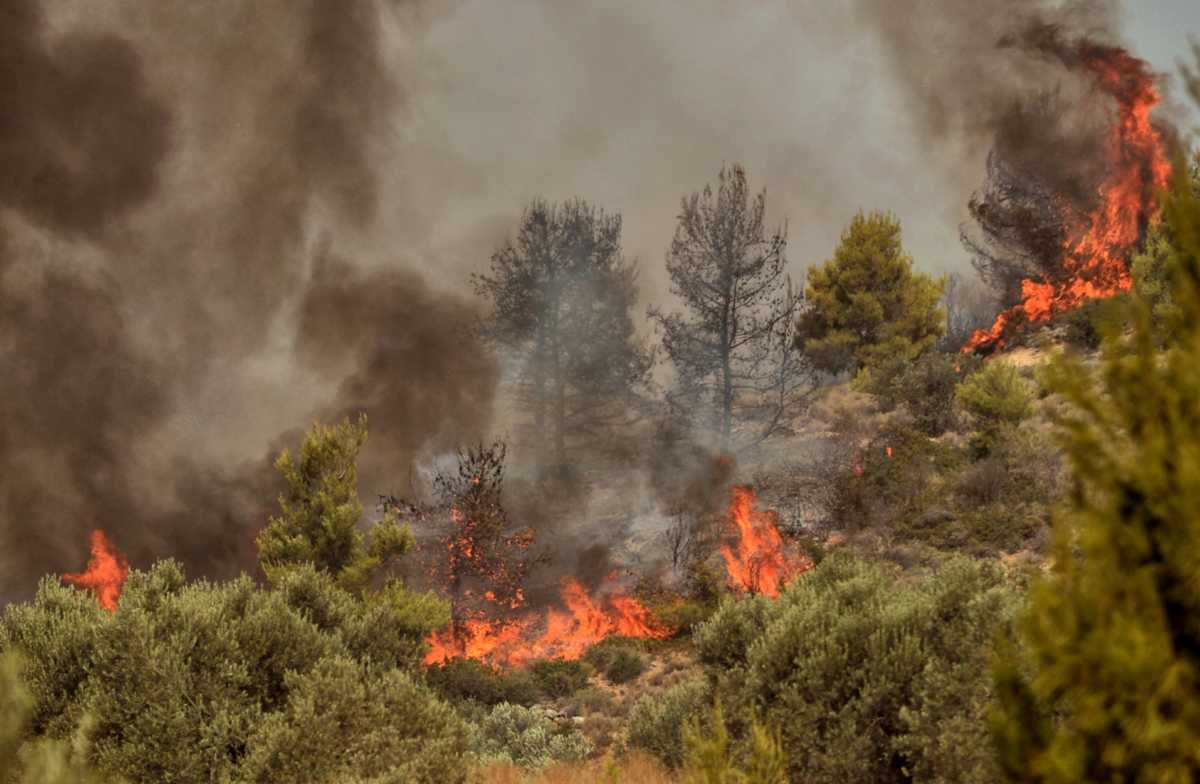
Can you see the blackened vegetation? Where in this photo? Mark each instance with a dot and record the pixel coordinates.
(737, 377)
(1048, 158)
(468, 546)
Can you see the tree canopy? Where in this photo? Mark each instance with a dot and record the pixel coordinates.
(731, 345)
(561, 296)
(320, 512)
(866, 303)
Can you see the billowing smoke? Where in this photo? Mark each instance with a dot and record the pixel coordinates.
(387, 335)
(82, 141)
(1018, 81)
(167, 174)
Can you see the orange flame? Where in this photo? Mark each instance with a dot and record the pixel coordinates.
(563, 635)
(105, 574)
(760, 562)
(1097, 249)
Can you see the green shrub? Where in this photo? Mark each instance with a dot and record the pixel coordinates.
(682, 613)
(712, 758)
(998, 398)
(626, 665)
(618, 659)
(467, 679)
(528, 737)
(656, 722)
(894, 483)
(57, 634)
(926, 387)
(344, 721)
(864, 673)
(175, 682)
(559, 677)
(33, 762)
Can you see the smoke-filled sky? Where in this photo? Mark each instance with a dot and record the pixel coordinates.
(219, 220)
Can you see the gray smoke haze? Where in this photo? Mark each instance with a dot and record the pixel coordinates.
(167, 171)
(220, 220)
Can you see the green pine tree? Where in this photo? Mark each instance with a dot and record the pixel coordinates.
(866, 304)
(1105, 685)
(320, 512)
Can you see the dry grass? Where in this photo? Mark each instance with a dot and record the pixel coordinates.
(635, 768)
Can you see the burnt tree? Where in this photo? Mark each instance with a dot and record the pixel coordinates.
(470, 548)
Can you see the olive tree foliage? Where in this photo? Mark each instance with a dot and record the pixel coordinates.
(866, 305)
(737, 375)
(40, 762)
(865, 677)
(561, 296)
(320, 512)
(191, 681)
(311, 678)
(1105, 685)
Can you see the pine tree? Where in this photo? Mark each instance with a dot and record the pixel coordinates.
(1106, 683)
(732, 347)
(866, 304)
(320, 512)
(561, 297)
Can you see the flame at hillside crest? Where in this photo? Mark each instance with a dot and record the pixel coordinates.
(1098, 246)
(105, 573)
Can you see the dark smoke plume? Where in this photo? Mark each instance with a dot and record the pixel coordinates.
(162, 176)
(82, 140)
(1012, 79)
(422, 378)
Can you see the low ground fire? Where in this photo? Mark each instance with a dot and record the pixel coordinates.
(757, 558)
(760, 561)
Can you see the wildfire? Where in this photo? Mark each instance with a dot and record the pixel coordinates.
(556, 634)
(1098, 246)
(105, 574)
(760, 562)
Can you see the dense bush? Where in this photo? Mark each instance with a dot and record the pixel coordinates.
(183, 680)
(559, 677)
(998, 398)
(868, 678)
(528, 737)
(619, 660)
(343, 720)
(1103, 686)
(656, 722)
(42, 762)
(925, 387)
(467, 679)
(893, 483)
